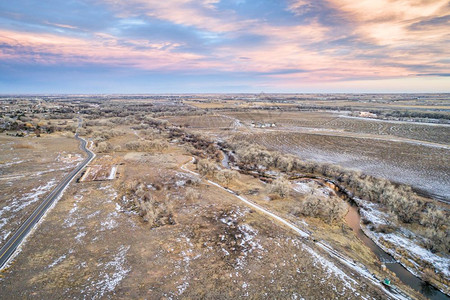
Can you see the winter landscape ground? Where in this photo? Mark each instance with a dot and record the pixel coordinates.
(228, 196)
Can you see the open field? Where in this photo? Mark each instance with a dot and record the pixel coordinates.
(424, 167)
(343, 123)
(184, 182)
(30, 167)
(101, 249)
(203, 121)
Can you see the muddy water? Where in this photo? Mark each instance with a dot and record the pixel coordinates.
(353, 219)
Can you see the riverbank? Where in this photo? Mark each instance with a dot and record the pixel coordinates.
(410, 274)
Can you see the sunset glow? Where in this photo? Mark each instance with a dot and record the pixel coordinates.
(152, 46)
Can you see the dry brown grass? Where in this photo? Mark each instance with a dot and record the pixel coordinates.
(23, 146)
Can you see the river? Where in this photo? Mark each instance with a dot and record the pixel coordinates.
(353, 219)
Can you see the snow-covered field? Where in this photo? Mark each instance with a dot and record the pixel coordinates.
(420, 165)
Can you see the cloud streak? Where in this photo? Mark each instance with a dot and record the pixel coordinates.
(290, 43)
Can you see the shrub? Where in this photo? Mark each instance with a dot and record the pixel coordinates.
(329, 209)
(405, 208)
(279, 187)
(103, 135)
(434, 218)
(437, 240)
(428, 275)
(82, 132)
(226, 176)
(153, 211)
(133, 145)
(384, 228)
(157, 145)
(284, 163)
(206, 167)
(104, 147)
(192, 195)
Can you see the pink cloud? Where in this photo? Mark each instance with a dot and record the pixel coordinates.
(384, 23)
(103, 49)
(387, 22)
(282, 53)
(65, 26)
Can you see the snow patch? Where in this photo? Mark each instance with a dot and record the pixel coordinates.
(113, 172)
(114, 272)
(110, 222)
(80, 236)
(302, 187)
(403, 239)
(9, 212)
(332, 269)
(57, 261)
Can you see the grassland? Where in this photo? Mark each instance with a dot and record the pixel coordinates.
(29, 169)
(156, 230)
(103, 249)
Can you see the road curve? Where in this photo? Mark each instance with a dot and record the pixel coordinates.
(11, 245)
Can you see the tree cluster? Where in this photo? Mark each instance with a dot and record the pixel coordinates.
(152, 210)
(400, 200)
(327, 208)
(144, 146)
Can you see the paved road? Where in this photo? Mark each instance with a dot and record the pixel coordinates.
(16, 239)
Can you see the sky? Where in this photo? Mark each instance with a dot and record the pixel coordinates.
(206, 46)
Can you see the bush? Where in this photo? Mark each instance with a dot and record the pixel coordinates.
(279, 187)
(157, 145)
(192, 195)
(133, 146)
(406, 209)
(82, 132)
(384, 228)
(329, 209)
(226, 176)
(157, 213)
(437, 240)
(104, 147)
(101, 136)
(284, 163)
(255, 156)
(206, 167)
(434, 218)
(428, 275)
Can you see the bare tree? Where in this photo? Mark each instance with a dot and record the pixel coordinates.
(329, 209)
(226, 176)
(104, 147)
(206, 167)
(280, 187)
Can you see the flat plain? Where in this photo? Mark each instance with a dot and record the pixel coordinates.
(174, 220)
